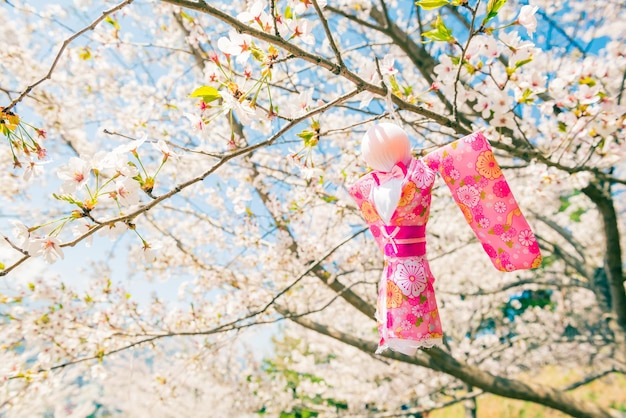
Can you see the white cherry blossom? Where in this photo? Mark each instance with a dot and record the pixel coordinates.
(302, 29)
(445, 70)
(237, 45)
(74, 175)
(387, 65)
(299, 105)
(162, 146)
(243, 228)
(245, 113)
(527, 18)
(80, 228)
(127, 191)
(49, 248)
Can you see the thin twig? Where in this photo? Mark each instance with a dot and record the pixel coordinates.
(230, 326)
(69, 40)
(329, 36)
(356, 19)
(15, 247)
(560, 30)
(383, 6)
(438, 360)
(319, 61)
(462, 57)
(227, 157)
(589, 379)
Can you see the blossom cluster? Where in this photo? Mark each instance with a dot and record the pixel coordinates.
(94, 187)
(24, 141)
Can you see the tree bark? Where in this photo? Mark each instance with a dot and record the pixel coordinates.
(612, 262)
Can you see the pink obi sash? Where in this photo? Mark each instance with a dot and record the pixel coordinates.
(403, 241)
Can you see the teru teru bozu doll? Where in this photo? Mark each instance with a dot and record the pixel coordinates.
(394, 199)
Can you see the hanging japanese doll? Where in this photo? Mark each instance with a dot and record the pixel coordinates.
(395, 202)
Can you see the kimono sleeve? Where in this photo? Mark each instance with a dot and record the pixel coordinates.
(479, 188)
(360, 192)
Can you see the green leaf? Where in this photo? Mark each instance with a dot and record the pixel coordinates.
(588, 81)
(186, 16)
(443, 29)
(440, 33)
(431, 4)
(112, 22)
(523, 62)
(526, 97)
(310, 137)
(84, 54)
(395, 87)
(492, 9)
(337, 404)
(548, 260)
(306, 413)
(288, 13)
(207, 93)
(69, 199)
(575, 216)
(258, 54)
(601, 143)
(418, 322)
(469, 68)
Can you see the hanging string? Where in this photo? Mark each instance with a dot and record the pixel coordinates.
(391, 109)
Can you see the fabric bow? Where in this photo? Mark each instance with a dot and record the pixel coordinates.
(397, 172)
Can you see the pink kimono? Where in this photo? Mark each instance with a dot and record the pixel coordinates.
(407, 312)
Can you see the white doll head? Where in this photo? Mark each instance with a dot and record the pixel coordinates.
(384, 145)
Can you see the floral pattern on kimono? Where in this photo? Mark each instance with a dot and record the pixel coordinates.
(407, 313)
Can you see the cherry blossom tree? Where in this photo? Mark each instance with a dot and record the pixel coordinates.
(175, 186)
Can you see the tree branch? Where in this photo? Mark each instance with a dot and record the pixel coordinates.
(329, 36)
(227, 157)
(520, 152)
(567, 235)
(532, 281)
(63, 46)
(588, 379)
(234, 324)
(319, 271)
(319, 61)
(612, 258)
(441, 361)
(560, 30)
